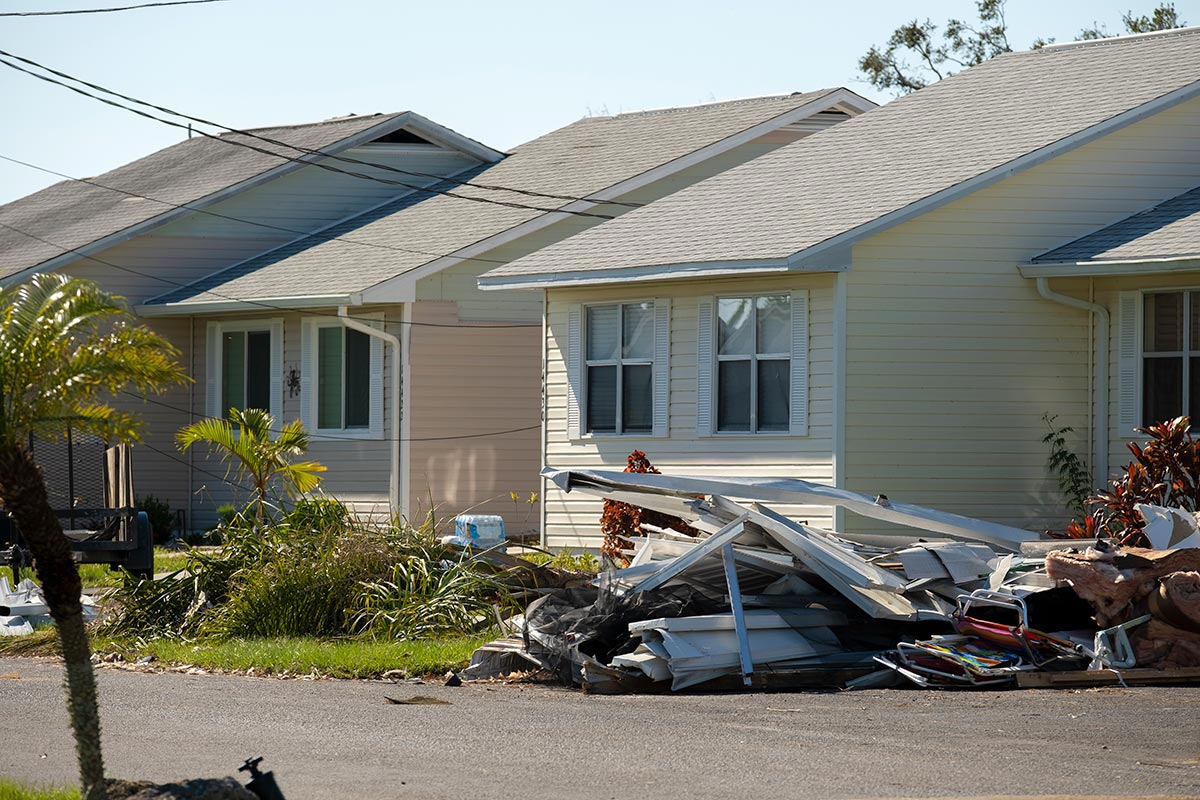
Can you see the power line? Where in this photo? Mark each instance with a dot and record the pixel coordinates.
(319, 164)
(255, 303)
(321, 234)
(336, 438)
(306, 150)
(104, 10)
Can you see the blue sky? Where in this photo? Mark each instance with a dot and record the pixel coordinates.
(499, 72)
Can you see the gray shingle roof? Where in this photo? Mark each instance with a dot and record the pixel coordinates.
(1169, 230)
(577, 160)
(885, 160)
(74, 214)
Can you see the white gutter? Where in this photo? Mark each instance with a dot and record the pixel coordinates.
(1100, 397)
(394, 439)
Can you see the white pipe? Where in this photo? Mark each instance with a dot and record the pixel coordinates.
(394, 438)
(1100, 398)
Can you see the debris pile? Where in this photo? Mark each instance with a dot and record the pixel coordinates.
(24, 607)
(758, 598)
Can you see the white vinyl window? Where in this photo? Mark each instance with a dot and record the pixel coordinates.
(341, 380)
(620, 368)
(1170, 355)
(617, 362)
(245, 364)
(752, 370)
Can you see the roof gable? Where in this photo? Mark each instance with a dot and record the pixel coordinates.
(584, 159)
(884, 166)
(75, 215)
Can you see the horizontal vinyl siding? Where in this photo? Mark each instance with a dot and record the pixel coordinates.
(953, 358)
(572, 520)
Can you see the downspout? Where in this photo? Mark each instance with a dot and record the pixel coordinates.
(1100, 398)
(387, 338)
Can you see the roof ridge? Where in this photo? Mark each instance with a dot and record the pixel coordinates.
(1125, 37)
(715, 104)
(330, 121)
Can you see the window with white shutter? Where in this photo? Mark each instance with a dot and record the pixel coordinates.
(343, 388)
(1170, 355)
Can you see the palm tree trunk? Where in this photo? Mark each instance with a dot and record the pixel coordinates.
(23, 494)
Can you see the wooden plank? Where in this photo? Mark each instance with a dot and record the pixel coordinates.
(1131, 677)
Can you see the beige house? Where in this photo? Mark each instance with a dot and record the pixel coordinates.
(366, 323)
(893, 304)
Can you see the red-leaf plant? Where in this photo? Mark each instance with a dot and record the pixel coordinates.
(1164, 472)
(622, 520)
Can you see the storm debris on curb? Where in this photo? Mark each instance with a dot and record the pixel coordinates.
(759, 599)
(23, 607)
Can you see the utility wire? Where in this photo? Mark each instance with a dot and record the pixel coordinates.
(104, 10)
(335, 437)
(255, 303)
(314, 163)
(307, 150)
(321, 234)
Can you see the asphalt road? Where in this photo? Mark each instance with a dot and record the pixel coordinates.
(330, 739)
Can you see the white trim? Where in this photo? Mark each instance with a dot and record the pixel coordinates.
(404, 487)
(598, 277)
(309, 346)
(798, 369)
(214, 358)
(1122, 37)
(1129, 362)
(706, 336)
(840, 312)
(401, 288)
(231, 306)
(573, 355)
(660, 397)
(1105, 269)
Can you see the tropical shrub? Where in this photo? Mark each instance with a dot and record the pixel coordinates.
(1165, 471)
(162, 520)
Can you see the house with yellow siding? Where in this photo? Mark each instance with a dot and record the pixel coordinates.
(892, 305)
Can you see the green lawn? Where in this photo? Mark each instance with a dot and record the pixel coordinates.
(94, 575)
(333, 658)
(11, 790)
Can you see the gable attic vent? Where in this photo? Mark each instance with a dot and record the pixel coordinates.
(401, 136)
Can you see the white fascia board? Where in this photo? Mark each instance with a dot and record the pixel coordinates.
(1106, 269)
(59, 261)
(440, 134)
(402, 288)
(252, 304)
(1006, 170)
(637, 275)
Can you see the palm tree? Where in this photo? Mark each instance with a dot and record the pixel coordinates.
(65, 345)
(246, 445)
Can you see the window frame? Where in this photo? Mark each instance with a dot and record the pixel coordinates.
(620, 362)
(753, 357)
(216, 363)
(310, 382)
(1185, 355)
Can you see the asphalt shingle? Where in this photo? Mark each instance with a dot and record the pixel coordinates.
(1169, 230)
(577, 161)
(74, 214)
(885, 160)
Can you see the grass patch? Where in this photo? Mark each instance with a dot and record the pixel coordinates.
(333, 658)
(11, 790)
(94, 575)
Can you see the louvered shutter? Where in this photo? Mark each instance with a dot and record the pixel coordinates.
(276, 400)
(575, 371)
(662, 366)
(1129, 394)
(704, 368)
(308, 374)
(799, 373)
(376, 385)
(212, 371)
